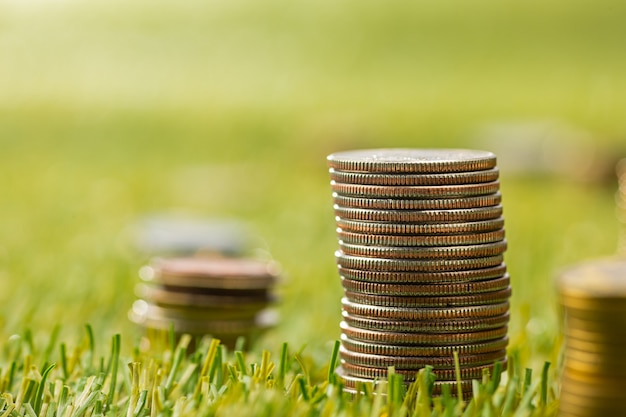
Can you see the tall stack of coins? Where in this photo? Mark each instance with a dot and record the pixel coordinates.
(621, 204)
(421, 239)
(223, 297)
(594, 299)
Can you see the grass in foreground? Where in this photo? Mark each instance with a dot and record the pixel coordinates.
(166, 379)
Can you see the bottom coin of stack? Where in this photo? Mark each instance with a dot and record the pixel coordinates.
(226, 298)
(593, 296)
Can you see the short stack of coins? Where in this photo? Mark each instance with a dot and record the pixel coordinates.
(421, 239)
(226, 298)
(593, 296)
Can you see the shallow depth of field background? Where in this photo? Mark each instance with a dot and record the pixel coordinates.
(111, 110)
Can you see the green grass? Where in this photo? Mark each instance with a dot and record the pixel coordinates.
(173, 380)
(111, 110)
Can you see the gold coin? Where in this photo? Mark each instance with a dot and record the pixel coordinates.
(461, 276)
(426, 339)
(613, 325)
(494, 297)
(595, 337)
(416, 253)
(412, 161)
(418, 350)
(419, 240)
(419, 216)
(424, 314)
(595, 281)
(434, 326)
(418, 204)
(367, 178)
(416, 362)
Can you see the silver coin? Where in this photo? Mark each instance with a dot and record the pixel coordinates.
(420, 240)
(420, 216)
(418, 204)
(404, 265)
(412, 192)
(412, 160)
(416, 252)
(419, 228)
(430, 277)
(367, 178)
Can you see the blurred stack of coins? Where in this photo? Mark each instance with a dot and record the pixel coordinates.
(594, 299)
(421, 239)
(223, 297)
(621, 204)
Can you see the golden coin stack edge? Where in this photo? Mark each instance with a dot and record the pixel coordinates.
(621, 205)
(223, 297)
(593, 296)
(421, 244)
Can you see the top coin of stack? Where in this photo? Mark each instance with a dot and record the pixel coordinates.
(421, 239)
(594, 299)
(223, 297)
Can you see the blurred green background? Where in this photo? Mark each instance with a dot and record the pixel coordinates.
(110, 110)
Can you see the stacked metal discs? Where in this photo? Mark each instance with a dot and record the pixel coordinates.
(621, 204)
(421, 239)
(594, 299)
(224, 297)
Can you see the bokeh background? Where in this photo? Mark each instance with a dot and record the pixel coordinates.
(114, 110)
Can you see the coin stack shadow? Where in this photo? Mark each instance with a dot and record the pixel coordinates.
(421, 239)
(223, 297)
(593, 296)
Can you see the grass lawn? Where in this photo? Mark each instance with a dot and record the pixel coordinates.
(111, 110)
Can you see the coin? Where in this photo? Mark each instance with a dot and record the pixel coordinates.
(419, 216)
(595, 281)
(427, 241)
(261, 321)
(367, 178)
(467, 275)
(427, 289)
(419, 350)
(434, 326)
(416, 362)
(615, 362)
(146, 307)
(419, 228)
(164, 297)
(198, 272)
(404, 265)
(416, 191)
(410, 313)
(493, 297)
(412, 161)
(418, 204)
(475, 372)
(413, 252)
(351, 382)
(427, 339)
